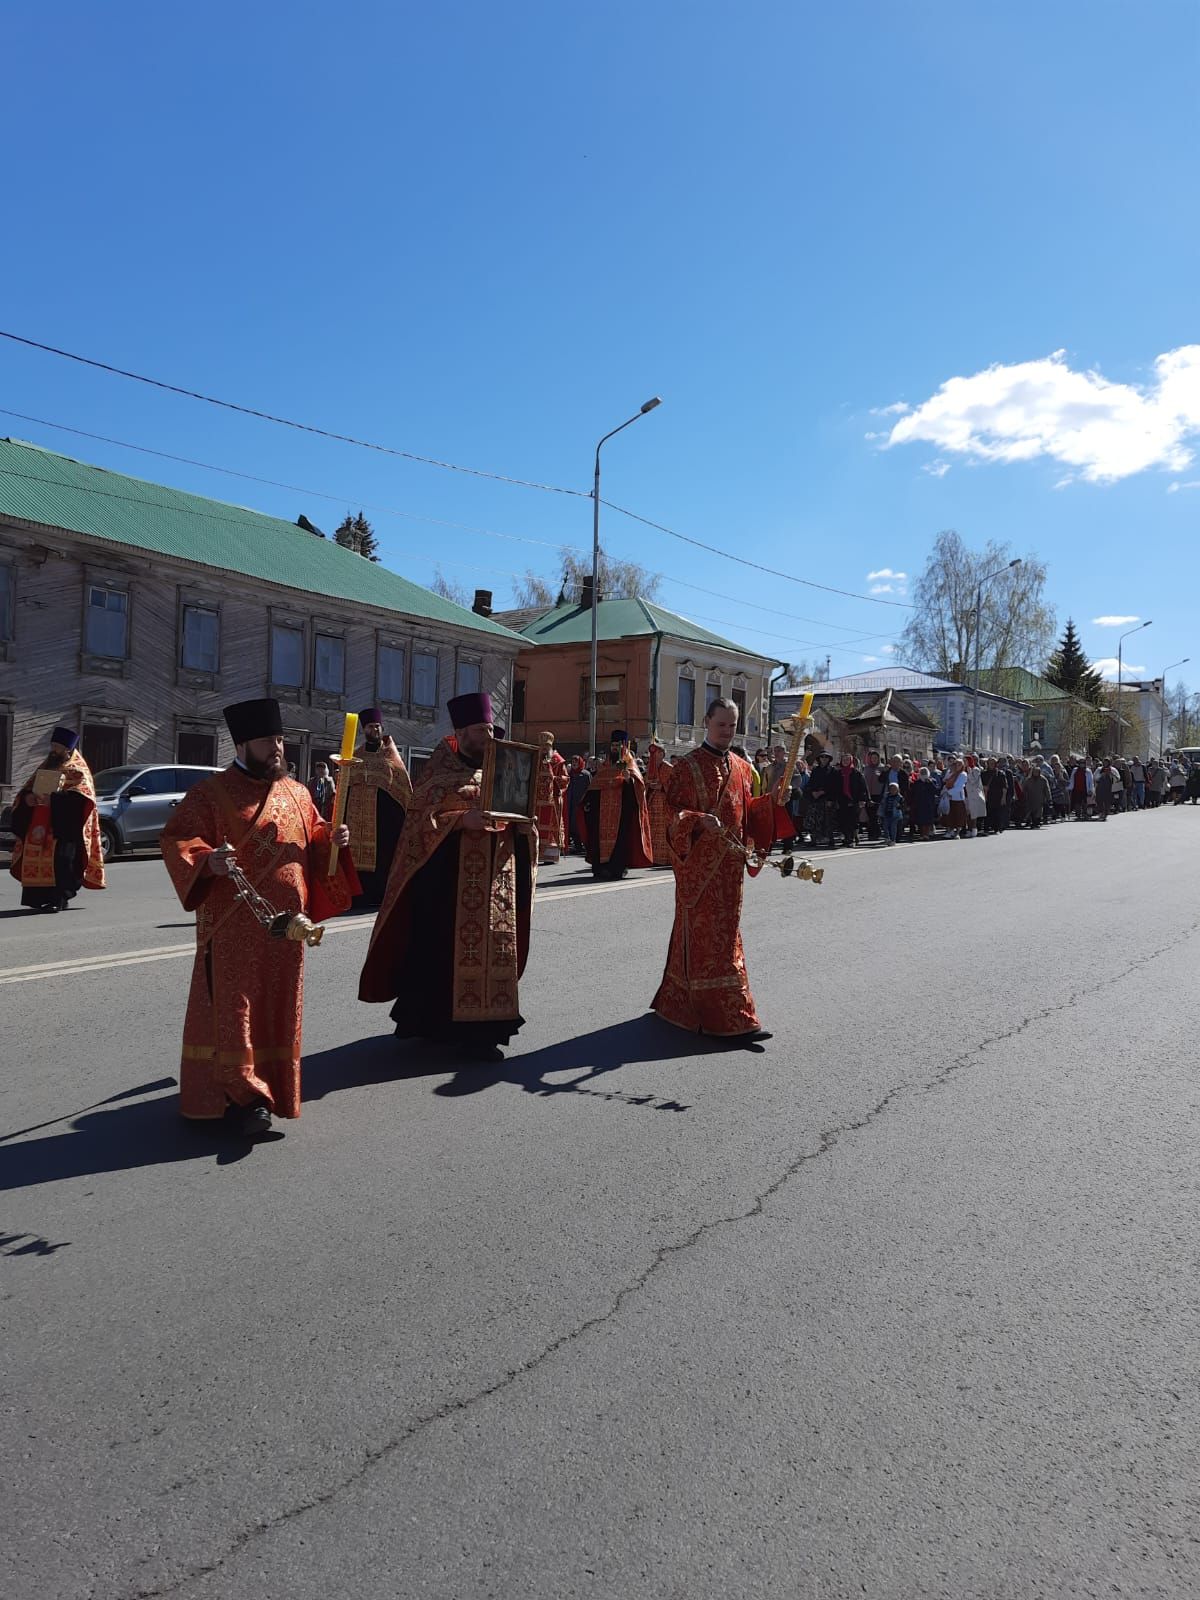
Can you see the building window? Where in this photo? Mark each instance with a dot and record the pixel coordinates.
(293, 754)
(287, 656)
(201, 638)
(103, 745)
(610, 699)
(329, 664)
(468, 679)
(686, 708)
(739, 700)
(712, 691)
(1037, 729)
(417, 761)
(106, 631)
(389, 672)
(6, 602)
(425, 679)
(518, 705)
(196, 749)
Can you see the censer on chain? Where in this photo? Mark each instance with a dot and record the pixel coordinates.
(279, 924)
(787, 866)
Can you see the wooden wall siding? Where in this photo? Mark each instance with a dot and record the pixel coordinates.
(48, 677)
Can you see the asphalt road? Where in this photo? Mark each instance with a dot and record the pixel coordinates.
(904, 1305)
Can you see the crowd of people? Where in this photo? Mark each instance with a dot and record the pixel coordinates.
(838, 801)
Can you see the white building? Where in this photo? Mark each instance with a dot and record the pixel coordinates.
(950, 705)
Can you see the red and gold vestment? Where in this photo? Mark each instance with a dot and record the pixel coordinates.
(241, 1036)
(615, 820)
(658, 771)
(452, 936)
(552, 781)
(705, 987)
(377, 772)
(43, 823)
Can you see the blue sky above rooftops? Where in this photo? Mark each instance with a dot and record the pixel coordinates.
(892, 269)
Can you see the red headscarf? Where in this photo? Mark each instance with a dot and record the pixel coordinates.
(847, 769)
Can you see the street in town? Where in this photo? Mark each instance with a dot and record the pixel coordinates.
(903, 1305)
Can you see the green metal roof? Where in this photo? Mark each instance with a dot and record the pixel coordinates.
(622, 619)
(41, 486)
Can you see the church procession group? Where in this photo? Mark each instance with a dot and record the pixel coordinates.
(452, 884)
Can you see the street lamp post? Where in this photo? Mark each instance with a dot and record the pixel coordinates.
(649, 406)
(1162, 709)
(1120, 723)
(978, 621)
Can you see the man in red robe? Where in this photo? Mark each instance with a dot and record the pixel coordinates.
(452, 936)
(379, 794)
(57, 847)
(241, 1036)
(710, 794)
(658, 772)
(552, 782)
(615, 820)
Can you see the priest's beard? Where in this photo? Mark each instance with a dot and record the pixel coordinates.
(270, 769)
(374, 744)
(54, 760)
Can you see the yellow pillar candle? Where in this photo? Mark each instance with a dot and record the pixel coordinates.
(349, 739)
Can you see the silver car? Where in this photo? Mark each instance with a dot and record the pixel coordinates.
(135, 803)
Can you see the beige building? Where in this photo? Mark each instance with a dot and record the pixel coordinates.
(134, 612)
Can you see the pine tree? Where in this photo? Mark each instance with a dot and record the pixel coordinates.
(1069, 669)
(357, 534)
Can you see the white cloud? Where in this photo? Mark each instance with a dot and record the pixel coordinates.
(886, 572)
(1028, 409)
(1113, 622)
(887, 649)
(1065, 483)
(884, 588)
(936, 469)
(1174, 488)
(896, 410)
(1107, 668)
(869, 659)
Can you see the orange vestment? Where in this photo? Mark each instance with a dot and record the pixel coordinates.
(377, 771)
(452, 935)
(241, 1036)
(658, 771)
(607, 813)
(705, 987)
(552, 781)
(33, 855)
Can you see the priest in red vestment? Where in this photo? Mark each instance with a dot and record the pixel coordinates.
(378, 796)
(658, 771)
(710, 794)
(552, 782)
(616, 824)
(57, 849)
(241, 1036)
(452, 936)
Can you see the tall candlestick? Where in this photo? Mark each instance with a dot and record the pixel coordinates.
(349, 739)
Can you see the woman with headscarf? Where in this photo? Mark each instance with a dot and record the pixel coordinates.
(976, 799)
(849, 795)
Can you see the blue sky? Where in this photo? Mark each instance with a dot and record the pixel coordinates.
(487, 233)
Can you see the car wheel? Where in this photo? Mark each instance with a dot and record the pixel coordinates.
(110, 845)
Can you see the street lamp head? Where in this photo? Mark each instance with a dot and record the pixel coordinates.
(650, 404)
(1016, 562)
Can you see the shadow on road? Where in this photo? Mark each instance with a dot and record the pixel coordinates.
(385, 1059)
(147, 1134)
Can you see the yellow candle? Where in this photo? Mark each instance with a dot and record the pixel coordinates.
(806, 705)
(350, 734)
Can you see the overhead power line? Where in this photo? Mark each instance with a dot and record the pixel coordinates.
(433, 461)
(416, 516)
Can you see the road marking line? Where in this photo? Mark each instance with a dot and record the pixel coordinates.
(81, 966)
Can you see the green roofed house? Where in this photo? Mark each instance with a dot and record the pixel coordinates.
(134, 612)
(656, 674)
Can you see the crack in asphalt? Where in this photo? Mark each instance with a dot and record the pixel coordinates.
(827, 1141)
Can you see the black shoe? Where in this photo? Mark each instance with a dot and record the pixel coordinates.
(249, 1122)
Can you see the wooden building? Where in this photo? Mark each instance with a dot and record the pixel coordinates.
(134, 612)
(656, 673)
